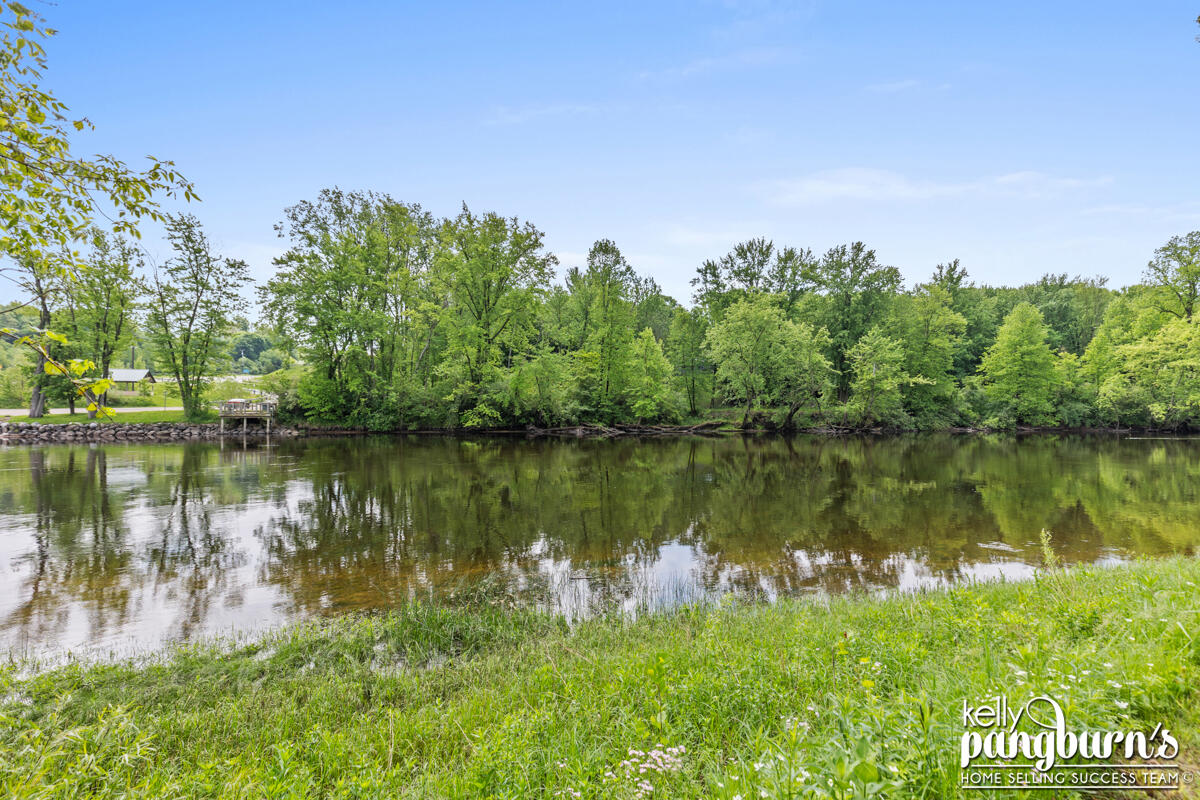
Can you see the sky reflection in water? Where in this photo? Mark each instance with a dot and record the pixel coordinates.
(125, 547)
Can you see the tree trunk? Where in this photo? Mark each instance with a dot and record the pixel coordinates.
(37, 401)
(787, 422)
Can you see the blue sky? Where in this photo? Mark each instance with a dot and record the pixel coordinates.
(1022, 138)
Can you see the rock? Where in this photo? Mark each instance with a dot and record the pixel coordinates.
(25, 433)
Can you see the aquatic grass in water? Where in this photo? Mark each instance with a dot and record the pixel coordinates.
(830, 697)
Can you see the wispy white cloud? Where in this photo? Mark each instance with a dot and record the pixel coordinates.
(517, 115)
(684, 235)
(1031, 181)
(742, 59)
(1181, 213)
(750, 19)
(858, 183)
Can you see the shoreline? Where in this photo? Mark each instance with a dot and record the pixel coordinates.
(747, 698)
(19, 433)
(114, 432)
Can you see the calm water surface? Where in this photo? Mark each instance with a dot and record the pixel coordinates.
(119, 548)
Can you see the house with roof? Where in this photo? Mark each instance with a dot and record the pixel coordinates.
(132, 377)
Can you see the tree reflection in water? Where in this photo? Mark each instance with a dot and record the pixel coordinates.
(106, 546)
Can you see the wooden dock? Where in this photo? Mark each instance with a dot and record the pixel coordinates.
(246, 410)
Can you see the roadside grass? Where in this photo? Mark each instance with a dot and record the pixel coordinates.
(831, 697)
(123, 417)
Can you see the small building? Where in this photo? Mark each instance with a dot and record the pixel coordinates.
(132, 377)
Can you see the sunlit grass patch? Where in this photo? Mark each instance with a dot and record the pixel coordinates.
(126, 417)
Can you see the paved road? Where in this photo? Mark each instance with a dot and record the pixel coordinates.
(20, 412)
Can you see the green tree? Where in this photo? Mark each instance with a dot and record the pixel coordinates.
(857, 289)
(747, 346)
(1175, 270)
(248, 344)
(1131, 315)
(649, 394)
(1158, 382)
(42, 282)
(49, 197)
(543, 389)
(651, 308)
(1019, 371)
(980, 312)
(1072, 308)
(101, 300)
(755, 265)
(930, 333)
(609, 339)
(878, 381)
(685, 346)
(193, 298)
(361, 292)
(496, 269)
(804, 374)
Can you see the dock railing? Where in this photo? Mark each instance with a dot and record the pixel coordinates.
(246, 410)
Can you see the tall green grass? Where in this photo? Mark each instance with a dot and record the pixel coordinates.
(826, 697)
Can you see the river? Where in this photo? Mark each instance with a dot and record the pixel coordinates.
(118, 549)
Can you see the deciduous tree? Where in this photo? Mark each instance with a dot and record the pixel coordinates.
(1019, 369)
(857, 289)
(101, 300)
(193, 297)
(805, 374)
(1175, 270)
(685, 346)
(496, 269)
(878, 380)
(747, 346)
(49, 196)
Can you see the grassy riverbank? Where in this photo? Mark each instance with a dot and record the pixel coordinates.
(836, 695)
(119, 418)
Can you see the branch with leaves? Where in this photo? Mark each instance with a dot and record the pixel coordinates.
(73, 369)
(50, 197)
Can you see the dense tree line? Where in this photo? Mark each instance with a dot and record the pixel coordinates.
(405, 320)
(383, 316)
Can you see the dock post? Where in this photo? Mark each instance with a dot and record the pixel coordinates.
(222, 424)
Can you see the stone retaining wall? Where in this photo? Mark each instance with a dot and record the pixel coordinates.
(31, 432)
